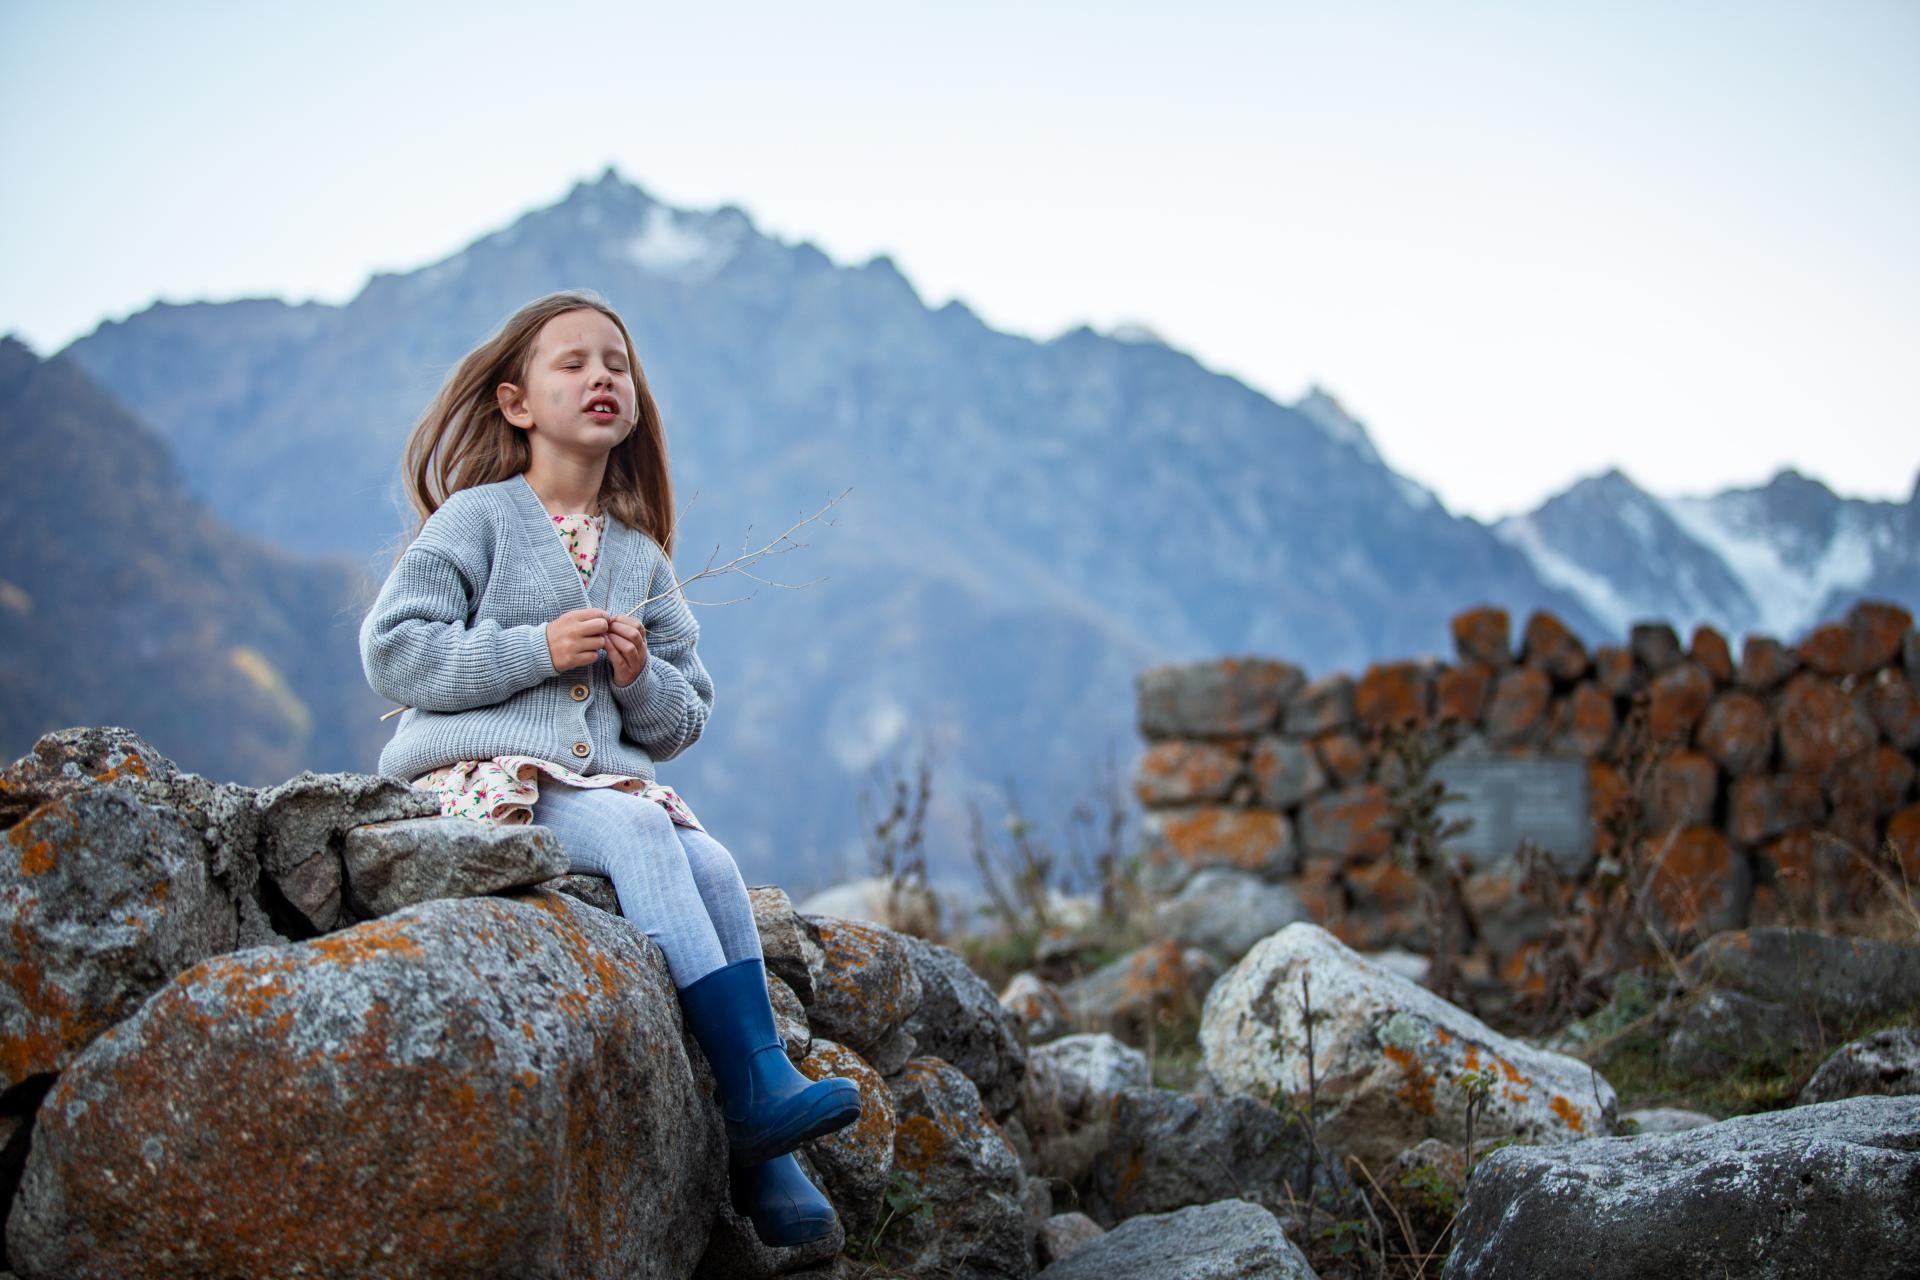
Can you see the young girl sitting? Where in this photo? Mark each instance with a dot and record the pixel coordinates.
(540, 475)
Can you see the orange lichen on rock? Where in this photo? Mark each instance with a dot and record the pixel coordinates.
(917, 1143)
(1417, 1090)
(1568, 1113)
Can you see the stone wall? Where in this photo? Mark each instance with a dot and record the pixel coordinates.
(1761, 782)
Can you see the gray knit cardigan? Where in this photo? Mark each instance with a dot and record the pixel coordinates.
(459, 635)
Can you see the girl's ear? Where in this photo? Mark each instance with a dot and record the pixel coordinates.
(513, 404)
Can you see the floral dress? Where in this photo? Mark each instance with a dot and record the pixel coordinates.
(501, 791)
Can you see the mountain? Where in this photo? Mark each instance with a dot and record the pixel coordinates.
(1774, 559)
(1030, 522)
(124, 601)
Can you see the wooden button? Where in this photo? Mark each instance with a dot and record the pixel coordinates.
(579, 693)
(583, 750)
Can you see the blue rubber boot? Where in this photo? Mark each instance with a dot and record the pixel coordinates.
(782, 1203)
(770, 1108)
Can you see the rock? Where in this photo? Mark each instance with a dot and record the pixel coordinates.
(1224, 912)
(854, 1163)
(103, 899)
(1842, 979)
(961, 1166)
(395, 864)
(866, 990)
(1814, 876)
(1872, 784)
(1903, 834)
(1167, 1150)
(1225, 698)
(1038, 1006)
(1895, 707)
(1710, 650)
(1723, 1031)
(1584, 724)
(734, 1249)
(1701, 883)
(1886, 1063)
(1765, 663)
(595, 891)
(1800, 1192)
(1551, 648)
(1391, 695)
(873, 900)
(1388, 1056)
(960, 1021)
(1676, 700)
(1655, 646)
(1227, 1240)
(1159, 981)
(1178, 842)
(1870, 638)
(1347, 825)
(1180, 772)
(1767, 805)
(504, 1079)
(1651, 1120)
(1613, 670)
(1082, 1072)
(303, 828)
(1325, 706)
(1063, 1235)
(1284, 772)
(789, 1018)
(1344, 757)
(1518, 712)
(1460, 695)
(67, 762)
(785, 946)
(1680, 791)
(1820, 725)
(1738, 733)
(1481, 635)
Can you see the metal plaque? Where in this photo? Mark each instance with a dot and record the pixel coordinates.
(1509, 800)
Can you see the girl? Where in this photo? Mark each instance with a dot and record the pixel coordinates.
(540, 476)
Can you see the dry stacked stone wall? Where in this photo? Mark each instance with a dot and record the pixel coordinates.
(1766, 784)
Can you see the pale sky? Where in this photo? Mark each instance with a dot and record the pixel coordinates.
(1523, 242)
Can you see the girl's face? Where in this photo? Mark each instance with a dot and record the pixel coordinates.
(579, 391)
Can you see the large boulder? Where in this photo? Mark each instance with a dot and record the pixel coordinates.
(1224, 698)
(959, 1020)
(103, 898)
(1226, 1240)
(1160, 981)
(958, 1166)
(864, 989)
(1224, 912)
(487, 1086)
(1834, 977)
(1811, 1191)
(1390, 1057)
(856, 1162)
(1886, 1062)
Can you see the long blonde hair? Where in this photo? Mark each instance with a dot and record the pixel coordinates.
(464, 440)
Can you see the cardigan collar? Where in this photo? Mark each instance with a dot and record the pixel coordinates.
(564, 588)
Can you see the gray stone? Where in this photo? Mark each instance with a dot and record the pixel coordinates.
(962, 1167)
(1651, 1120)
(1226, 1240)
(1167, 1150)
(1081, 1072)
(1063, 1235)
(959, 1020)
(1218, 698)
(1886, 1062)
(789, 1018)
(1838, 978)
(395, 864)
(1810, 1191)
(303, 827)
(1656, 646)
(1721, 1031)
(595, 891)
(854, 1163)
(1125, 994)
(506, 1079)
(1324, 706)
(783, 943)
(1286, 772)
(1038, 1007)
(864, 989)
(1224, 912)
(103, 899)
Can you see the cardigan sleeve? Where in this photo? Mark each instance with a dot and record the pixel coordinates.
(666, 707)
(416, 647)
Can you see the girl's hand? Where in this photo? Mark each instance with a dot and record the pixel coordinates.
(575, 639)
(627, 648)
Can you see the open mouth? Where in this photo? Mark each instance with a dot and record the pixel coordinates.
(603, 408)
